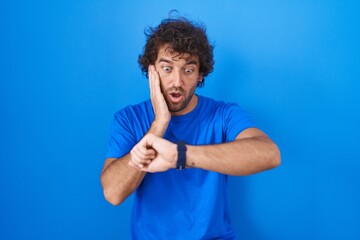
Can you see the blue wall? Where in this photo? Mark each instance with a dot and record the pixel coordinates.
(67, 66)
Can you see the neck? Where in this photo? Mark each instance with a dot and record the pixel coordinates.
(191, 106)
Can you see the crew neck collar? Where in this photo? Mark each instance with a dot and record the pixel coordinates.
(191, 114)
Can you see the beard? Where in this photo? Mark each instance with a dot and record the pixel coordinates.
(177, 91)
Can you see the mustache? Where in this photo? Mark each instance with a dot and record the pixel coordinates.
(175, 89)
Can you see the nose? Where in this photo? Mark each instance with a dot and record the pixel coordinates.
(177, 79)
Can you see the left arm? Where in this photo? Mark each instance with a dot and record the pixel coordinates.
(251, 152)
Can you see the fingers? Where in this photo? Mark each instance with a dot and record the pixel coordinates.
(151, 80)
(138, 167)
(141, 155)
(154, 81)
(162, 153)
(161, 111)
(151, 77)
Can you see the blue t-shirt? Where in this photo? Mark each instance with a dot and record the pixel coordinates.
(187, 204)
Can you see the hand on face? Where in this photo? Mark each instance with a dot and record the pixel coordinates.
(158, 102)
(153, 154)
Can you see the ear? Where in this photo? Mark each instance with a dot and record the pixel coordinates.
(200, 78)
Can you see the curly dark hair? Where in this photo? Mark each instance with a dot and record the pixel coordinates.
(182, 36)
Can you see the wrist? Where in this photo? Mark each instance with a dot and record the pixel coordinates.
(158, 127)
(161, 121)
(181, 156)
(190, 159)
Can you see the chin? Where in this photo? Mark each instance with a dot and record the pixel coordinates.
(176, 109)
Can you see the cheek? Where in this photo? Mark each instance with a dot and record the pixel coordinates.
(194, 87)
(162, 86)
(165, 83)
(164, 79)
(191, 88)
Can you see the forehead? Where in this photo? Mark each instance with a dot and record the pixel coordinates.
(165, 52)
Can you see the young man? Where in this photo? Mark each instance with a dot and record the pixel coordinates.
(175, 150)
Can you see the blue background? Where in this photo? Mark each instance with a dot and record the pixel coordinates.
(67, 66)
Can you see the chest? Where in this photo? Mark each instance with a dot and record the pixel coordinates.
(196, 131)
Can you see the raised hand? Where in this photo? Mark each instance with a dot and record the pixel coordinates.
(142, 155)
(161, 111)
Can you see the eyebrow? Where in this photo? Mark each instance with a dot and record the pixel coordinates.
(192, 61)
(164, 60)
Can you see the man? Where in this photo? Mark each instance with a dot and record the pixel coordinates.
(175, 150)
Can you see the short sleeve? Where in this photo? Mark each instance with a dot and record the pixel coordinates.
(235, 121)
(121, 139)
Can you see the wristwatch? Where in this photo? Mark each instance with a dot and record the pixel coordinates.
(181, 161)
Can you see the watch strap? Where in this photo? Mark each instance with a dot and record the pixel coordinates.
(181, 160)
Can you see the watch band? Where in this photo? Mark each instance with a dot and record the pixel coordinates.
(181, 161)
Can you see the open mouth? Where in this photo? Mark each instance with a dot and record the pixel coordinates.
(175, 97)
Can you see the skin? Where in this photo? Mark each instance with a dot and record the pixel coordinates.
(172, 80)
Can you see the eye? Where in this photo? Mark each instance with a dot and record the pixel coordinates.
(188, 70)
(166, 69)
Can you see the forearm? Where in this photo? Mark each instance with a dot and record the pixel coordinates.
(118, 178)
(159, 126)
(241, 157)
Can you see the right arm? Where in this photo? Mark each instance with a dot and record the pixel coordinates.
(119, 176)
(119, 180)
